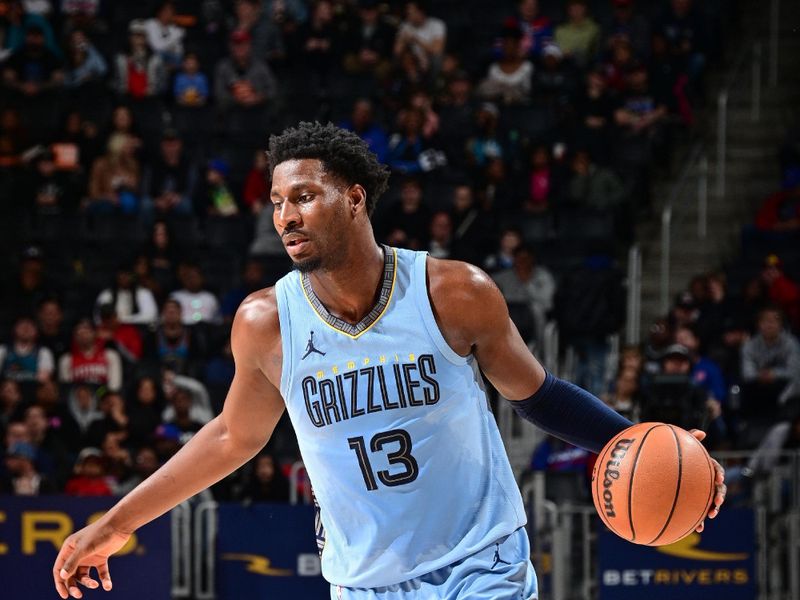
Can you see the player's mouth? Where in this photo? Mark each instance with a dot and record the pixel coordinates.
(295, 243)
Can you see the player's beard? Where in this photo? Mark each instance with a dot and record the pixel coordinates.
(329, 246)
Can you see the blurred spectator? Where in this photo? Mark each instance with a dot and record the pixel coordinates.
(215, 197)
(424, 35)
(33, 68)
(553, 82)
(640, 112)
(89, 361)
(52, 458)
(24, 360)
(595, 114)
(14, 138)
(114, 180)
(22, 478)
(162, 255)
(117, 459)
(579, 37)
(409, 150)
(705, 372)
(113, 419)
(471, 226)
(591, 306)
(265, 482)
(81, 412)
(781, 290)
(503, 257)
(79, 14)
(179, 414)
(592, 186)
(369, 48)
(23, 296)
(11, 404)
(557, 456)
(457, 111)
(782, 437)
(441, 235)
(484, 145)
(54, 191)
(620, 64)
(537, 30)
(685, 29)
(144, 411)
(509, 79)
(265, 31)
(170, 180)
(626, 396)
(674, 398)
(132, 303)
(90, 477)
(139, 73)
(164, 37)
(190, 87)
(252, 280)
(84, 63)
(198, 305)
(173, 344)
(256, 190)
(362, 123)
(319, 49)
(685, 311)
(780, 212)
(243, 79)
(542, 185)
(626, 24)
(122, 337)
(122, 122)
(194, 395)
(145, 463)
(528, 286)
(406, 221)
(18, 21)
(770, 363)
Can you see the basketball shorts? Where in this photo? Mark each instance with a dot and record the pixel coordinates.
(501, 571)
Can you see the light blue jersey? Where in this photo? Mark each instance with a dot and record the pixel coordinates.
(394, 427)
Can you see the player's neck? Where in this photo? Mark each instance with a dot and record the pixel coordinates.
(351, 290)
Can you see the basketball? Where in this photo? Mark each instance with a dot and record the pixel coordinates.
(653, 484)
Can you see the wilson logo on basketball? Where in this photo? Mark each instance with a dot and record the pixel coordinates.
(611, 473)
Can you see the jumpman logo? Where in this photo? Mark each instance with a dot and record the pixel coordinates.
(310, 347)
(497, 558)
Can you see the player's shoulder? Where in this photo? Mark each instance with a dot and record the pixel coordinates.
(258, 314)
(459, 280)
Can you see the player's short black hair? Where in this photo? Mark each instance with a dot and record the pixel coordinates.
(341, 152)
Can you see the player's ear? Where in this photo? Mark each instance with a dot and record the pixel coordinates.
(357, 198)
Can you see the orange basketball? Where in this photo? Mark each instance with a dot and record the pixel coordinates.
(653, 484)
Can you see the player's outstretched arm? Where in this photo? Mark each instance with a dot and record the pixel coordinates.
(252, 409)
(473, 316)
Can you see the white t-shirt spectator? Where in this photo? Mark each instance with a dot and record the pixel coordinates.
(147, 309)
(164, 39)
(430, 31)
(197, 307)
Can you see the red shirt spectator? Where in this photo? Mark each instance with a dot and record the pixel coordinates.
(780, 211)
(781, 290)
(89, 479)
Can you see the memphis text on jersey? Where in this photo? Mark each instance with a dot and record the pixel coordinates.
(368, 386)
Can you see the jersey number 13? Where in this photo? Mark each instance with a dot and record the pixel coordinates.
(401, 456)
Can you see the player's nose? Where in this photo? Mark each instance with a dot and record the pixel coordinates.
(287, 217)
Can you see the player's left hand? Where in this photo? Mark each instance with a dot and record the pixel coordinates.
(722, 489)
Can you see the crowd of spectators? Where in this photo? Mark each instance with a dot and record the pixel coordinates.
(726, 359)
(133, 195)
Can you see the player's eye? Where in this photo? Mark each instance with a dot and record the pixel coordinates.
(306, 197)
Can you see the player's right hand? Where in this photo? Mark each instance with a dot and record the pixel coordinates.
(84, 549)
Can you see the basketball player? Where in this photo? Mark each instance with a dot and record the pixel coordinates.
(376, 352)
